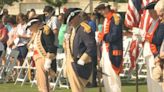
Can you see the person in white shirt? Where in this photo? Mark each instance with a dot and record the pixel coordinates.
(23, 37)
(12, 35)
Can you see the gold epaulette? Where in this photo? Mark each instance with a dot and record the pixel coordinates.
(87, 28)
(86, 58)
(116, 18)
(162, 21)
(46, 29)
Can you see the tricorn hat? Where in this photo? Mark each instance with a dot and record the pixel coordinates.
(70, 14)
(150, 5)
(102, 5)
(31, 22)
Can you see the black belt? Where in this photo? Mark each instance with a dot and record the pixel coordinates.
(76, 59)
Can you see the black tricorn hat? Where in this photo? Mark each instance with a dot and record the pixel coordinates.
(70, 14)
(150, 5)
(31, 22)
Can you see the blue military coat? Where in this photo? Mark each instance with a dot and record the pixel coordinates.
(115, 40)
(158, 37)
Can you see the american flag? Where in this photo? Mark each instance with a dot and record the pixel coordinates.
(146, 20)
(136, 17)
(132, 17)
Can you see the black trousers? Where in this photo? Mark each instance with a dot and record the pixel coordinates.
(53, 65)
(94, 82)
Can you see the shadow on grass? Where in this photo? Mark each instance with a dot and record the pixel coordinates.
(133, 82)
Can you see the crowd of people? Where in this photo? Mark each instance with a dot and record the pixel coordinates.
(88, 41)
(17, 33)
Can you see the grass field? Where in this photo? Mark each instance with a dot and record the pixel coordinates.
(10, 87)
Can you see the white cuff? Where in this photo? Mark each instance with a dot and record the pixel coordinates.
(47, 64)
(80, 62)
(96, 36)
(67, 36)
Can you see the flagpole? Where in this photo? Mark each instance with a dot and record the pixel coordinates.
(137, 75)
(137, 60)
(91, 6)
(137, 67)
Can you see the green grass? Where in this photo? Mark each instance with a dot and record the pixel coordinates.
(10, 87)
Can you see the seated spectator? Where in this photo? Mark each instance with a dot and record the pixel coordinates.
(4, 13)
(3, 39)
(23, 37)
(32, 14)
(5, 22)
(12, 34)
(62, 31)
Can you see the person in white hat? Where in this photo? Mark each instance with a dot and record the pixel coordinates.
(44, 52)
(111, 37)
(158, 71)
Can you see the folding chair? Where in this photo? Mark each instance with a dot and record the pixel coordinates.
(1, 67)
(126, 57)
(26, 67)
(33, 81)
(141, 66)
(9, 66)
(60, 80)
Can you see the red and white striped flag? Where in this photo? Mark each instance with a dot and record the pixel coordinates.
(134, 52)
(133, 13)
(136, 17)
(146, 20)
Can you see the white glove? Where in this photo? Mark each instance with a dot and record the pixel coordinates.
(136, 31)
(96, 36)
(47, 64)
(67, 36)
(138, 34)
(80, 62)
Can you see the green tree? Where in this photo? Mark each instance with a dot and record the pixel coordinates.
(116, 2)
(121, 1)
(56, 3)
(105, 0)
(7, 2)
